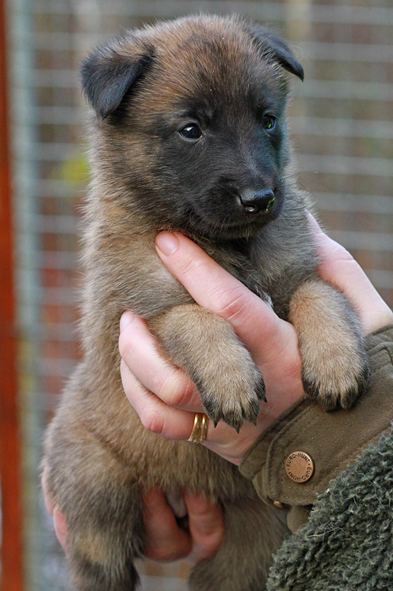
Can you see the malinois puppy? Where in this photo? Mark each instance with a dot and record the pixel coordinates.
(188, 134)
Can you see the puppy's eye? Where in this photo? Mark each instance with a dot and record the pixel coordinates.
(269, 122)
(191, 131)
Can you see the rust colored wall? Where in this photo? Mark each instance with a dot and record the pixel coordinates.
(11, 561)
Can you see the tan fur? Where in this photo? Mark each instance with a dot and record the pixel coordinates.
(332, 365)
(224, 75)
(222, 368)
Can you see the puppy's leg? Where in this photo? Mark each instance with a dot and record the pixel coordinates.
(102, 507)
(253, 532)
(334, 364)
(207, 347)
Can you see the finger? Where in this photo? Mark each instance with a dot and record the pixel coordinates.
(60, 525)
(165, 541)
(339, 268)
(138, 349)
(174, 423)
(155, 415)
(207, 527)
(171, 385)
(158, 417)
(48, 500)
(217, 290)
(59, 520)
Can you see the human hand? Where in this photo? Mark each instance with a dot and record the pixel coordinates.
(339, 268)
(167, 400)
(59, 520)
(165, 540)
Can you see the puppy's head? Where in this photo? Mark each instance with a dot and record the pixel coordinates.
(190, 122)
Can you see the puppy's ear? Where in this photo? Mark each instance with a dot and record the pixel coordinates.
(110, 72)
(277, 49)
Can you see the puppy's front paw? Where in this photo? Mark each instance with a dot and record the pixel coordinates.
(334, 363)
(207, 348)
(233, 391)
(335, 375)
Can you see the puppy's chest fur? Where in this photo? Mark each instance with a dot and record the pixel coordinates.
(123, 266)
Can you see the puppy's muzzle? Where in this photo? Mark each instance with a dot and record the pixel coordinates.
(257, 201)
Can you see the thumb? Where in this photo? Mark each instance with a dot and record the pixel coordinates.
(338, 267)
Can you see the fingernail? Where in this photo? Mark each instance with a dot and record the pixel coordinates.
(126, 319)
(167, 243)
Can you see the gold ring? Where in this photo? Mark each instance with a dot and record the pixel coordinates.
(199, 430)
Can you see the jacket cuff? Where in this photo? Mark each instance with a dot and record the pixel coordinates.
(322, 443)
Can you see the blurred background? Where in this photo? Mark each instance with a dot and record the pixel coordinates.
(341, 119)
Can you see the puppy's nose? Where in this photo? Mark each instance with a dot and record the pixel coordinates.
(257, 201)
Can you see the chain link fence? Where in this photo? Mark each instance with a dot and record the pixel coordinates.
(342, 125)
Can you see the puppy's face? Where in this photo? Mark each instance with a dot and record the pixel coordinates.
(191, 124)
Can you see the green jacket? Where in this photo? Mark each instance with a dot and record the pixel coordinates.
(346, 541)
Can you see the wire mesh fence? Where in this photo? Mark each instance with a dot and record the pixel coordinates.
(342, 125)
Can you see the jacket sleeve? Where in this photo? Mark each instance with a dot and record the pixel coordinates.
(296, 458)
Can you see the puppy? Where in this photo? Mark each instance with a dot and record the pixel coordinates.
(188, 134)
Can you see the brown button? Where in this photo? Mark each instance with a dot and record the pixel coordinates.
(299, 466)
